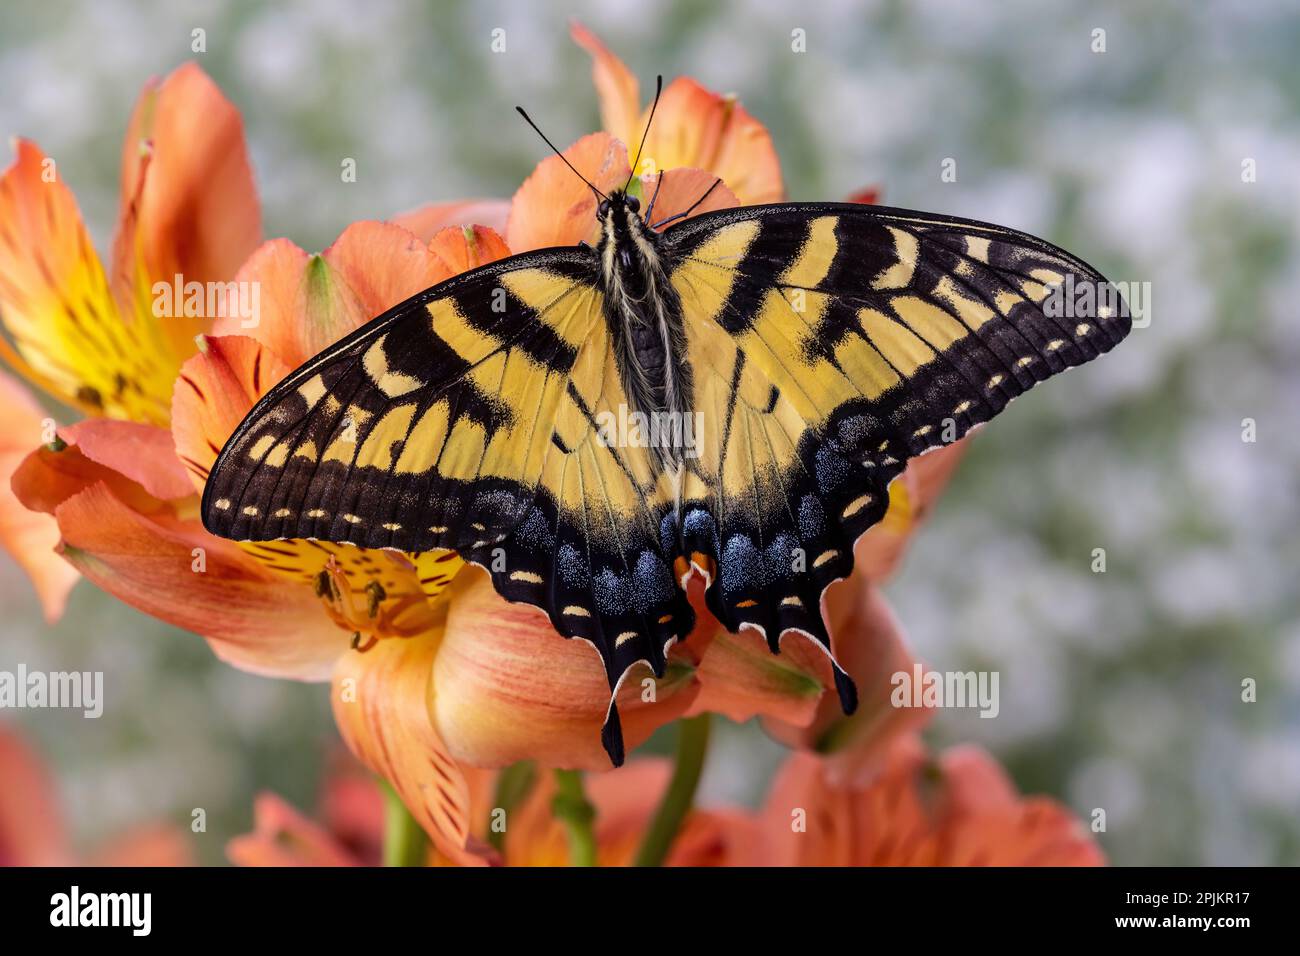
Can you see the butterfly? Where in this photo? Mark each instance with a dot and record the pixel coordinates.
(779, 365)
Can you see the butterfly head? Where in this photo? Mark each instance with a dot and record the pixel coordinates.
(618, 206)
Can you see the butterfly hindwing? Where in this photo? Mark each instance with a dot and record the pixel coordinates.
(830, 343)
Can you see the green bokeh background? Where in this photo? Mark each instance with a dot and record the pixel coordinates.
(1119, 690)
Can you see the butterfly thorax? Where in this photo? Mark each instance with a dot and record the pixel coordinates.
(644, 314)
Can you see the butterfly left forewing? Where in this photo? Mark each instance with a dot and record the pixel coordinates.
(424, 429)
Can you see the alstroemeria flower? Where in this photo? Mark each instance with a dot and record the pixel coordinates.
(348, 828)
(92, 336)
(913, 810)
(699, 135)
(693, 127)
(34, 833)
(89, 335)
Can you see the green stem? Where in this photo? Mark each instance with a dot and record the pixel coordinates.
(572, 808)
(692, 744)
(404, 841)
(513, 786)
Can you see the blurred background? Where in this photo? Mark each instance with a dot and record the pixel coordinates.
(1119, 690)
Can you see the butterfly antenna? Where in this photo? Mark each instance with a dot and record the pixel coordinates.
(529, 121)
(659, 88)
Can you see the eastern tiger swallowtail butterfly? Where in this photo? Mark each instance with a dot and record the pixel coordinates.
(797, 355)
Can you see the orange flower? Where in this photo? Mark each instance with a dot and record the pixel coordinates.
(33, 832)
(904, 809)
(693, 127)
(350, 824)
(912, 810)
(90, 336)
(699, 135)
(350, 831)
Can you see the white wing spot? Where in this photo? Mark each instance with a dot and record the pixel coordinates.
(857, 505)
(825, 556)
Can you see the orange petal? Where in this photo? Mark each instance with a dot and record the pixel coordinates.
(696, 127)
(382, 708)
(251, 619)
(68, 335)
(189, 205)
(145, 454)
(214, 392)
(988, 824)
(869, 645)
(507, 687)
(695, 189)
(31, 828)
(307, 302)
(29, 536)
(46, 478)
(741, 678)
(554, 207)
(429, 220)
(284, 837)
(620, 107)
(461, 248)
(912, 497)
(915, 812)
